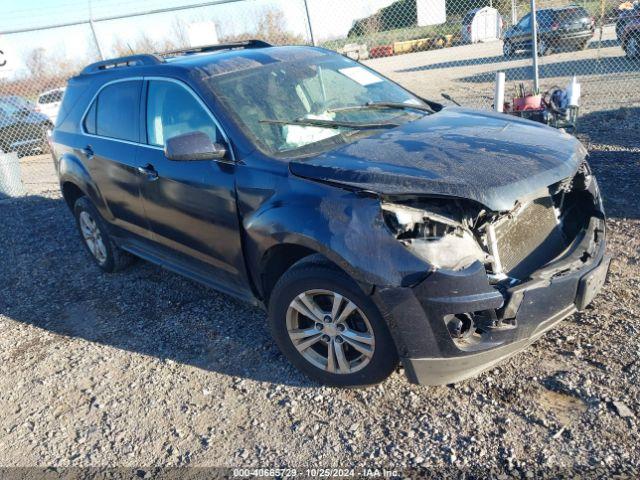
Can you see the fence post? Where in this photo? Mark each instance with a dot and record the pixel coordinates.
(534, 46)
(306, 9)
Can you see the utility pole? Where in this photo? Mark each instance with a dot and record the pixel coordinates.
(534, 46)
(93, 32)
(306, 8)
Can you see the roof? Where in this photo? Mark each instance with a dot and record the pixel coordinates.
(249, 51)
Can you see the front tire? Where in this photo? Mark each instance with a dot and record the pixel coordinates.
(328, 328)
(96, 239)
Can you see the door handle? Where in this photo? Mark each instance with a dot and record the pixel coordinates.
(88, 152)
(148, 171)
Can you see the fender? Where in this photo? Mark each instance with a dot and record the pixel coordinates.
(345, 227)
(71, 169)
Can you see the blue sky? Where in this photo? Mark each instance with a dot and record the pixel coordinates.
(331, 18)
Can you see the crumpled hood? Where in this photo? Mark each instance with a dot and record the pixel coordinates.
(491, 158)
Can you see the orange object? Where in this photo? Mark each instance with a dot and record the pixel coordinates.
(530, 102)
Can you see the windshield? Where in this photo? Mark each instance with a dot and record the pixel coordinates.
(291, 105)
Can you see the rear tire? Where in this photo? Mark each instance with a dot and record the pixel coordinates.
(96, 239)
(342, 340)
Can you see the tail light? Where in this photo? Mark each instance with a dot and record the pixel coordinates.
(469, 28)
(555, 26)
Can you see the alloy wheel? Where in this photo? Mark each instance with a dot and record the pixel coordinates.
(93, 237)
(330, 331)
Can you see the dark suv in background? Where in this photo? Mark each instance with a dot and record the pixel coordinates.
(374, 226)
(562, 28)
(22, 129)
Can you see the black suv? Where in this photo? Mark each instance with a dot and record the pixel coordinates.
(374, 226)
(559, 28)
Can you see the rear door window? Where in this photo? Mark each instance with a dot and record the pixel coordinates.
(117, 113)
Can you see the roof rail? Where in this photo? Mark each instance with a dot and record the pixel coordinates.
(130, 61)
(246, 44)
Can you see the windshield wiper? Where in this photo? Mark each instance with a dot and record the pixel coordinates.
(382, 105)
(316, 122)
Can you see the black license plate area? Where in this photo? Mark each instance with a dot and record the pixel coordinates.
(591, 284)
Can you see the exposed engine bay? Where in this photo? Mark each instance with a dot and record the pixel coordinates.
(454, 233)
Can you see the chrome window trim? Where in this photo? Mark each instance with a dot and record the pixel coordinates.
(154, 78)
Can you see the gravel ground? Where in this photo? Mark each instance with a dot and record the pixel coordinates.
(145, 369)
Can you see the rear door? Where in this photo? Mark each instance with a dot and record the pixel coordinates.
(191, 205)
(112, 132)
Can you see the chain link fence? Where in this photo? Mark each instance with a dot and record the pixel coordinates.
(432, 47)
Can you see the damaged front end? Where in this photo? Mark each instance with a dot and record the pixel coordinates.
(498, 279)
(454, 233)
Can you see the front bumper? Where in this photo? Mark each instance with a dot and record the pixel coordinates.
(417, 316)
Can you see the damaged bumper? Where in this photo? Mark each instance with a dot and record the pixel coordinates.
(502, 320)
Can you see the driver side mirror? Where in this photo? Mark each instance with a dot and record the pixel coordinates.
(193, 146)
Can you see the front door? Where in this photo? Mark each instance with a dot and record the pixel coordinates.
(190, 205)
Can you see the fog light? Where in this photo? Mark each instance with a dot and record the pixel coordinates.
(460, 325)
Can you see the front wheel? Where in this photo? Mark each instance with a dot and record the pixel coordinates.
(329, 329)
(96, 238)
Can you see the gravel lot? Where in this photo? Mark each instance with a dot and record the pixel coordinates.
(145, 369)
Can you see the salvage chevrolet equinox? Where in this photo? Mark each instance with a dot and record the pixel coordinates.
(375, 227)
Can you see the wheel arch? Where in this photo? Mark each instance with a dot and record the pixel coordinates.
(75, 181)
(279, 258)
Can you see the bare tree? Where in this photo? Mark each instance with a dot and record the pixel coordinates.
(179, 33)
(36, 62)
(270, 26)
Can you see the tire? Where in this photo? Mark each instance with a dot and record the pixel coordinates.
(543, 48)
(507, 49)
(319, 282)
(102, 249)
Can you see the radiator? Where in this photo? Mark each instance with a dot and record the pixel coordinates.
(527, 239)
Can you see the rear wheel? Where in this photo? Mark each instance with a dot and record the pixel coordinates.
(96, 238)
(329, 329)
